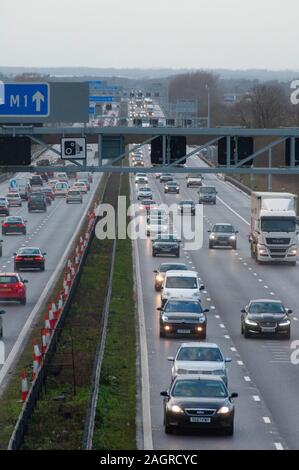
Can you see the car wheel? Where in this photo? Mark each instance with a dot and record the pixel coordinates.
(154, 254)
(242, 329)
(246, 333)
(0, 250)
(211, 246)
(234, 246)
(203, 335)
(162, 335)
(177, 254)
(24, 232)
(288, 335)
(229, 431)
(157, 288)
(168, 429)
(23, 301)
(42, 268)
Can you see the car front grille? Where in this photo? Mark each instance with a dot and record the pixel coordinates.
(278, 241)
(268, 324)
(200, 411)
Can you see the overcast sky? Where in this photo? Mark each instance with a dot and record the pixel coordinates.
(154, 33)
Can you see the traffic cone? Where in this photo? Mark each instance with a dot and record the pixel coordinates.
(44, 341)
(24, 386)
(66, 292)
(68, 279)
(48, 336)
(35, 369)
(47, 322)
(52, 319)
(37, 355)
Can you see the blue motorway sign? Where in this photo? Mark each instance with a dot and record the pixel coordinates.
(91, 109)
(25, 100)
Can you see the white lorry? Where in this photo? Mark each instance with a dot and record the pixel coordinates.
(273, 229)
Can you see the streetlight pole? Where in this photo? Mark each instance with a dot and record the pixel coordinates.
(209, 106)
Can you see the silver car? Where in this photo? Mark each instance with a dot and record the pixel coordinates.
(74, 195)
(199, 358)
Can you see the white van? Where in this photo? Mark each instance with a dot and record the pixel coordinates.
(182, 285)
(61, 188)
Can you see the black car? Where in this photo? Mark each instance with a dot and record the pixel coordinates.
(36, 180)
(37, 202)
(163, 268)
(172, 187)
(266, 317)
(166, 245)
(183, 318)
(223, 235)
(186, 207)
(198, 402)
(29, 258)
(14, 224)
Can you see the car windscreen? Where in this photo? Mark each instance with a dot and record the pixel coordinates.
(199, 388)
(223, 228)
(186, 203)
(13, 195)
(278, 224)
(199, 354)
(172, 267)
(266, 307)
(8, 279)
(36, 196)
(177, 282)
(29, 251)
(183, 306)
(206, 190)
(74, 193)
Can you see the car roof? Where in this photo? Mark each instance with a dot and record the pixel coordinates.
(223, 223)
(9, 274)
(176, 264)
(199, 344)
(272, 301)
(182, 273)
(29, 248)
(214, 378)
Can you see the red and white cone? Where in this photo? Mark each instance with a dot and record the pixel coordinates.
(47, 336)
(47, 322)
(73, 272)
(44, 340)
(35, 369)
(68, 279)
(24, 386)
(69, 264)
(52, 319)
(37, 355)
(66, 293)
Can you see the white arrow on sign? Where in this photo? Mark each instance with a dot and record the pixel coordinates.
(38, 97)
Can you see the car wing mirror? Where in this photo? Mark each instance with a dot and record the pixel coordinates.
(202, 287)
(2, 312)
(237, 231)
(44, 254)
(25, 281)
(164, 394)
(170, 359)
(160, 309)
(228, 359)
(155, 271)
(289, 311)
(243, 310)
(234, 395)
(206, 310)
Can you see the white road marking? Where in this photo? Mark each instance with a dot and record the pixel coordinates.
(233, 349)
(266, 419)
(221, 325)
(247, 379)
(278, 446)
(233, 211)
(256, 398)
(226, 336)
(240, 363)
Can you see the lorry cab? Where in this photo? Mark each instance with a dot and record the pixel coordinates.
(273, 232)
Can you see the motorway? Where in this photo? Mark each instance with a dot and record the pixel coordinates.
(267, 412)
(50, 231)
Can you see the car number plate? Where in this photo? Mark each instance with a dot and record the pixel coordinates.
(183, 331)
(268, 330)
(200, 420)
(4, 289)
(28, 259)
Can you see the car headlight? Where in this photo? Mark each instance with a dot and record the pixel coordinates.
(165, 318)
(232, 237)
(250, 322)
(212, 237)
(284, 323)
(293, 251)
(176, 409)
(223, 410)
(159, 278)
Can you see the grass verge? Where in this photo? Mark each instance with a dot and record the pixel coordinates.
(115, 426)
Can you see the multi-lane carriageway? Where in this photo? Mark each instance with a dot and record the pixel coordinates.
(267, 411)
(51, 231)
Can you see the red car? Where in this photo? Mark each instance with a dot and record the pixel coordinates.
(12, 287)
(147, 205)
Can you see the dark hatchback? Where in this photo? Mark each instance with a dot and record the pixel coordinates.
(29, 258)
(37, 202)
(13, 224)
(4, 209)
(183, 318)
(197, 402)
(49, 194)
(163, 268)
(266, 317)
(166, 245)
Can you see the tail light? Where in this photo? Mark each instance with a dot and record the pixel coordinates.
(38, 258)
(19, 285)
(20, 225)
(19, 258)
(5, 225)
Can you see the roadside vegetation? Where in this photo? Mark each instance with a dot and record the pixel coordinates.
(115, 426)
